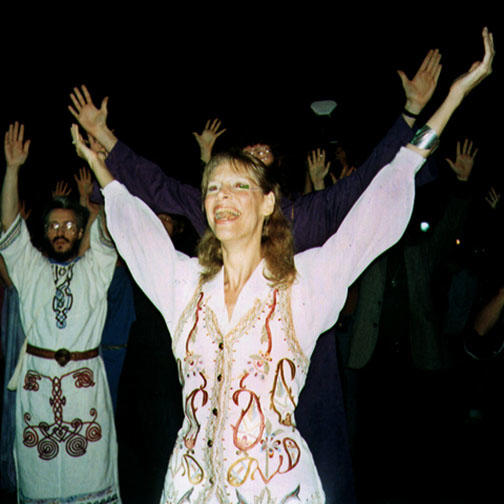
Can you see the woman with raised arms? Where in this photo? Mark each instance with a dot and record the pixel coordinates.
(245, 315)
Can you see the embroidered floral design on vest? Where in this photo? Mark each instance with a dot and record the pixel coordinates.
(240, 391)
(283, 402)
(279, 455)
(250, 426)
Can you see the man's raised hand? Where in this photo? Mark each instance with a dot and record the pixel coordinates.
(318, 168)
(84, 183)
(16, 150)
(84, 110)
(419, 90)
(464, 162)
(207, 138)
(61, 189)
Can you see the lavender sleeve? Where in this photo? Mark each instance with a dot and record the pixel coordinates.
(317, 216)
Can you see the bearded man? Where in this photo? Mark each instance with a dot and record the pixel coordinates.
(65, 444)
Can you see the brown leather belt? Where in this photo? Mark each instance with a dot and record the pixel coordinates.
(61, 356)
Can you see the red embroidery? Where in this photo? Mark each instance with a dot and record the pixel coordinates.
(248, 432)
(260, 362)
(31, 381)
(190, 411)
(57, 401)
(198, 309)
(247, 466)
(47, 437)
(270, 314)
(293, 453)
(285, 416)
(83, 378)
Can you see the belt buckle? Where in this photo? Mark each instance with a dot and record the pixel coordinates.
(62, 356)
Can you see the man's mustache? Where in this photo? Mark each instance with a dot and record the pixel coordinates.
(59, 238)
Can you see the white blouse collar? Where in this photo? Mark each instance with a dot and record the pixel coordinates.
(256, 288)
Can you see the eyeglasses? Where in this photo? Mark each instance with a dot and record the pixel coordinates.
(67, 227)
(258, 151)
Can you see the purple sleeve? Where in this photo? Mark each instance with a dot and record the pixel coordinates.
(317, 216)
(163, 194)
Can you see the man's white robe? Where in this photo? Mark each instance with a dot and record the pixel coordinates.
(65, 447)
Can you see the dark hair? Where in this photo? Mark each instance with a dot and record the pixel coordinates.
(66, 203)
(276, 242)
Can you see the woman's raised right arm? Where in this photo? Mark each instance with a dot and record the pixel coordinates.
(166, 276)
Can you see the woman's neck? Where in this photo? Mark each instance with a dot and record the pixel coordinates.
(239, 264)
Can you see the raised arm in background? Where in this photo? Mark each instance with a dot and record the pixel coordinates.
(206, 139)
(16, 153)
(85, 187)
(92, 119)
(61, 189)
(418, 91)
(493, 198)
(318, 168)
(456, 208)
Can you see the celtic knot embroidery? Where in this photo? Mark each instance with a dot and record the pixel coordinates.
(31, 381)
(76, 434)
(63, 297)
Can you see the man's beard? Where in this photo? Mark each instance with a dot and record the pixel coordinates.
(61, 256)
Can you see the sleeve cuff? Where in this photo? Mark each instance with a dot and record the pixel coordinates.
(7, 238)
(113, 188)
(116, 155)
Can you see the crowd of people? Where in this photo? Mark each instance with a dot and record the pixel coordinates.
(316, 337)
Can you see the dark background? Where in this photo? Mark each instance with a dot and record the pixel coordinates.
(167, 70)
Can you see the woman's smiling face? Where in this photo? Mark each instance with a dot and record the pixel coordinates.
(235, 204)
